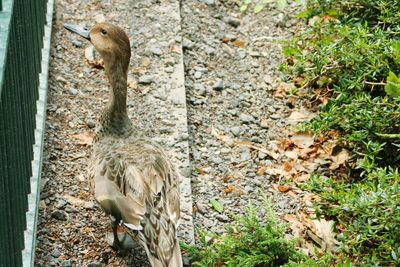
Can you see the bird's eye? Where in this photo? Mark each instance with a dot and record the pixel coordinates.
(103, 32)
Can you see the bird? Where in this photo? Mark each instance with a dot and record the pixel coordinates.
(130, 175)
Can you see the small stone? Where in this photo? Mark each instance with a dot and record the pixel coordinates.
(73, 91)
(264, 124)
(218, 85)
(261, 155)
(197, 75)
(241, 53)
(61, 79)
(201, 208)
(90, 123)
(233, 22)
(187, 44)
(222, 218)
(89, 205)
(235, 130)
(246, 118)
(146, 79)
(156, 51)
(76, 43)
(275, 116)
(210, 51)
(59, 215)
(56, 253)
(66, 263)
(95, 264)
(208, 2)
(245, 156)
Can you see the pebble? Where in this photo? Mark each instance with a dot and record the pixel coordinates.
(76, 43)
(59, 215)
(187, 44)
(208, 2)
(66, 263)
(246, 118)
(218, 85)
(275, 116)
(233, 22)
(156, 51)
(56, 253)
(222, 218)
(73, 91)
(95, 264)
(146, 79)
(235, 130)
(197, 75)
(90, 123)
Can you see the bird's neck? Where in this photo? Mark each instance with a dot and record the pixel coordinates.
(114, 119)
(117, 75)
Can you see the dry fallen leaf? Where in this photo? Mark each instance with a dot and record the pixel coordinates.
(261, 170)
(303, 140)
(300, 116)
(282, 188)
(272, 154)
(296, 226)
(321, 232)
(83, 138)
(229, 189)
(239, 43)
(288, 166)
(339, 159)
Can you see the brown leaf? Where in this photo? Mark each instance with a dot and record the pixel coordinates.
(282, 188)
(287, 166)
(261, 170)
(229, 189)
(272, 154)
(285, 144)
(320, 231)
(339, 159)
(239, 43)
(306, 153)
(297, 116)
(83, 139)
(303, 140)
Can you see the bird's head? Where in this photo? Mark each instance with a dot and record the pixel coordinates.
(109, 40)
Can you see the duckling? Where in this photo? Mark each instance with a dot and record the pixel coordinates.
(131, 177)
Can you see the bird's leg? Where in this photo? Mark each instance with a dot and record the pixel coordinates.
(113, 239)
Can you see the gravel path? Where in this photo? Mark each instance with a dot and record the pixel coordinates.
(231, 73)
(230, 62)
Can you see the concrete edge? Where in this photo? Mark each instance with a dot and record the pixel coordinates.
(28, 254)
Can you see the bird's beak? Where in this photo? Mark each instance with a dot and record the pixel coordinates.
(78, 30)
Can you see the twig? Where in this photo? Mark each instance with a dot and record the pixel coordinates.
(374, 83)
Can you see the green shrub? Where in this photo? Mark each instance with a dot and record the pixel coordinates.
(249, 241)
(369, 213)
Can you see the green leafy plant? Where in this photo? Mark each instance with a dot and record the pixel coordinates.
(368, 213)
(250, 241)
(351, 52)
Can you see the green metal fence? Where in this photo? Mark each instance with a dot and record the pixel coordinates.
(21, 34)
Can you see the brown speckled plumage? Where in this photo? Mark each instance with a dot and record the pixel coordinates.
(130, 175)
